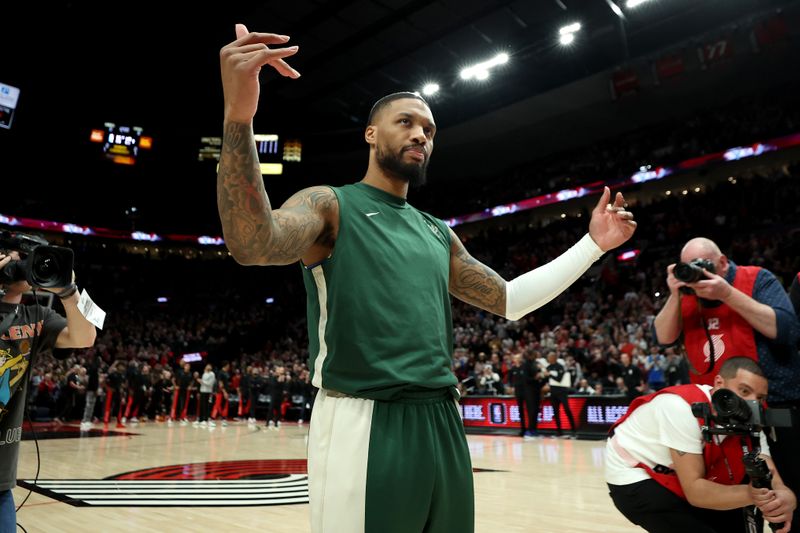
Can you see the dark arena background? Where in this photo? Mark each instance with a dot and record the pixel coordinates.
(110, 133)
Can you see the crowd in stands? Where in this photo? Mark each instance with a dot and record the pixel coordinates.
(164, 303)
(219, 310)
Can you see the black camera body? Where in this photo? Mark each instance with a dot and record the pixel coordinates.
(41, 265)
(692, 271)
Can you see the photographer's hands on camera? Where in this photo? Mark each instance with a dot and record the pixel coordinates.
(62, 292)
(776, 505)
(713, 288)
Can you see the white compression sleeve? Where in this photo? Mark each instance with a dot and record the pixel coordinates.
(533, 289)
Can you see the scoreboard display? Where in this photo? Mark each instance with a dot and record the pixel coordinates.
(273, 151)
(121, 144)
(269, 153)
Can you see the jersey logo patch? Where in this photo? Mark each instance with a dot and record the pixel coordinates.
(373, 214)
(434, 229)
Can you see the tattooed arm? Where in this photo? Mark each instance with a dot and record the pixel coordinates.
(479, 285)
(255, 233)
(473, 282)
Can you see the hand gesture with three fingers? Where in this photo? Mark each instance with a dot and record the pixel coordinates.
(240, 63)
(611, 224)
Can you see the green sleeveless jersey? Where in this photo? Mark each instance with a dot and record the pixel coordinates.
(379, 318)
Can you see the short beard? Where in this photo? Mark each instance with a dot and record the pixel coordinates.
(414, 174)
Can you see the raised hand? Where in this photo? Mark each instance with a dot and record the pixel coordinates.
(611, 225)
(240, 64)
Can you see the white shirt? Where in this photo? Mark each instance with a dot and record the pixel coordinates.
(648, 434)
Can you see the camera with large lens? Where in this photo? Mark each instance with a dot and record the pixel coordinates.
(41, 265)
(733, 415)
(692, 271)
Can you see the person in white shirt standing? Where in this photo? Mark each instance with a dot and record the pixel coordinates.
(560, 382)
(207, 383)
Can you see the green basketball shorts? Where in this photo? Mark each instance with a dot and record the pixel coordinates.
(398, 466)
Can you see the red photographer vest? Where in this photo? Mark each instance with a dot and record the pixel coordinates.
(732, 335)
(718, 469)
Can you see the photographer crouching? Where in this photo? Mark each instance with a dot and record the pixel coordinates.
(26, 262)
(670, 468)
(719, 309)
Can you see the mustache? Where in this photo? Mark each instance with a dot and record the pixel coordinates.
(419, 147)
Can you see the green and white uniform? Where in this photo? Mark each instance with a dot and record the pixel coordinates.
(387, 451)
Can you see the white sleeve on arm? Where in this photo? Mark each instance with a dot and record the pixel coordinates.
(533, 289)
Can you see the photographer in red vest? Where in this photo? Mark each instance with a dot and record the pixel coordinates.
(663, 476)
(720, 308)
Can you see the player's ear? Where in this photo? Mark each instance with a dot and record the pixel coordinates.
(370, 134)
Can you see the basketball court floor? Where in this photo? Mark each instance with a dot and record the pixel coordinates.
(155, 477)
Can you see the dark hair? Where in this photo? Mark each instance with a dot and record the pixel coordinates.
(731, 367)
(388, 99)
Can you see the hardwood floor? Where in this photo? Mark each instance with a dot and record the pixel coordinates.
(544, 485)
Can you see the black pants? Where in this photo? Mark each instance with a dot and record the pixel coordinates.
(528, 405)
(254, 394)
(205, 406)
(786, 455)
(657, 510)
(275, 409)
(559, 396)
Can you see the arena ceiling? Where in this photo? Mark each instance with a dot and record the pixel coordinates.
(80, 64)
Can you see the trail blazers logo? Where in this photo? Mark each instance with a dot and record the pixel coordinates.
(217, 484)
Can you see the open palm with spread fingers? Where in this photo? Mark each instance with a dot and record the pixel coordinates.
(241, 62)
(611, 224)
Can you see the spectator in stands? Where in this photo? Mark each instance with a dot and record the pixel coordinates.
(560, 384)
(677, 372)
(585, 388)
(631, 377)
(115, 387)
(489, 382)
(258, 385)
(92, 385)
(655, 364)
(207, 385)
(523, 377)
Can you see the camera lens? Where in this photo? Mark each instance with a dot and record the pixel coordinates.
(730, 407)
(687, 273)
(45, 267)
(50, 266)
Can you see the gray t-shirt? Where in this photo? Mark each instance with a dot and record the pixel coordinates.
(31, 321)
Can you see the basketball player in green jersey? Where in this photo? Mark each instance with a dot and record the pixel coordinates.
(387, 451)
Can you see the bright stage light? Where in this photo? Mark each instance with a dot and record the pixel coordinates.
(480, 71)
(430, 89)
(567, 38)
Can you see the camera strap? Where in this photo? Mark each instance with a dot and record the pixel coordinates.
(712, 356)
(8, 321)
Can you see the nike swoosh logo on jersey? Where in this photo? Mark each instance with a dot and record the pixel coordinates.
(373, 214)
